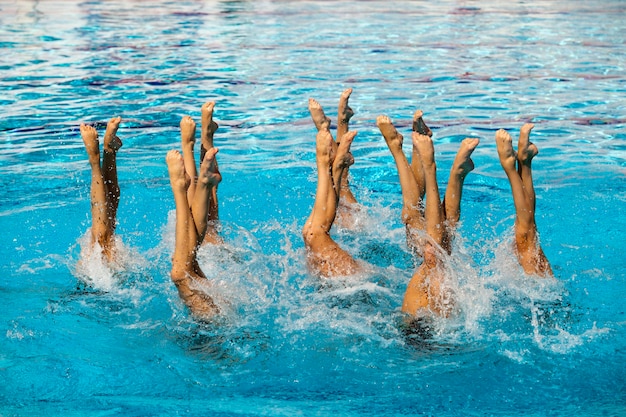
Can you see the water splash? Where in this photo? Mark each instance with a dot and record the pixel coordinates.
(99, 274)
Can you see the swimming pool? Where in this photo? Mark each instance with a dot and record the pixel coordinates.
(124, 345)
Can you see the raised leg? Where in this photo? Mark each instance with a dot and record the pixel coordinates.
(526, 151)
(186, 273)
(188, 141)
(184, 249)
(109, 169)
(427, 289)
(209, 127)
(101, 231)
(433, 212)
(322, 124)
(529, 252)
(461, 166)
(420, 127)
(208, 180)
(324, 255)
(344, 114)
(342, 161)
(412, 214)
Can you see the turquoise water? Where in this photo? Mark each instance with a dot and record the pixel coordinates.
(97, 341)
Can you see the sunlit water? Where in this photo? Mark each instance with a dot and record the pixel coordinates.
(81, 338)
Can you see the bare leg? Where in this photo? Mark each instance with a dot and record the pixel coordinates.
(325, 207)
(529, 252)
(324, 255)
(322, 124)
(461, 166)
(183, 250)
(420, 127)
(412, 215)
(426, 288)
(188, 141)
(185, 267)
(209, 127)
(207, 181)
(344, 114)
(343, 160)
(101, 231)
(526, 151)
(109, 169)
(433, 211)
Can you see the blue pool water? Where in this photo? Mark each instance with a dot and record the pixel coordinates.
(96, 341)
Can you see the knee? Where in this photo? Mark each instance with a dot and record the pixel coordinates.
(412, 218)
(178, 274)
(309, 235)
(306, 231)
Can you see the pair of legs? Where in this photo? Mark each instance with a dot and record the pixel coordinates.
(437, 218)
(105, 190)
(322, 122)
(188, 142)
(517, 166)
(324, 256)
(195, 193)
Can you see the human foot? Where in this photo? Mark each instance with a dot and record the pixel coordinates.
(463, 163)
(209, 172)
(187, 132)
(209, 127)
(90, 139)
(425, 148)
(111, 142)
(419, 125)
(345, 113)
(176, 168)
(526, 150)
(317, 114)
(393, 138)
(506, 153)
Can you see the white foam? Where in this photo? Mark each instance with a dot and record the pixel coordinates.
(97, 272)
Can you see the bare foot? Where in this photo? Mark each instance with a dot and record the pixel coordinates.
(317, 114)
(343, 158)
(176, 168)
(90, 139)
(187, 132)
(393, 138)
(425, 148)
(419, 125)
(463, 164)
(345, 113)
(111, 142)
(526, 150)
(209, 127)
(504, 143)
(209, 172)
